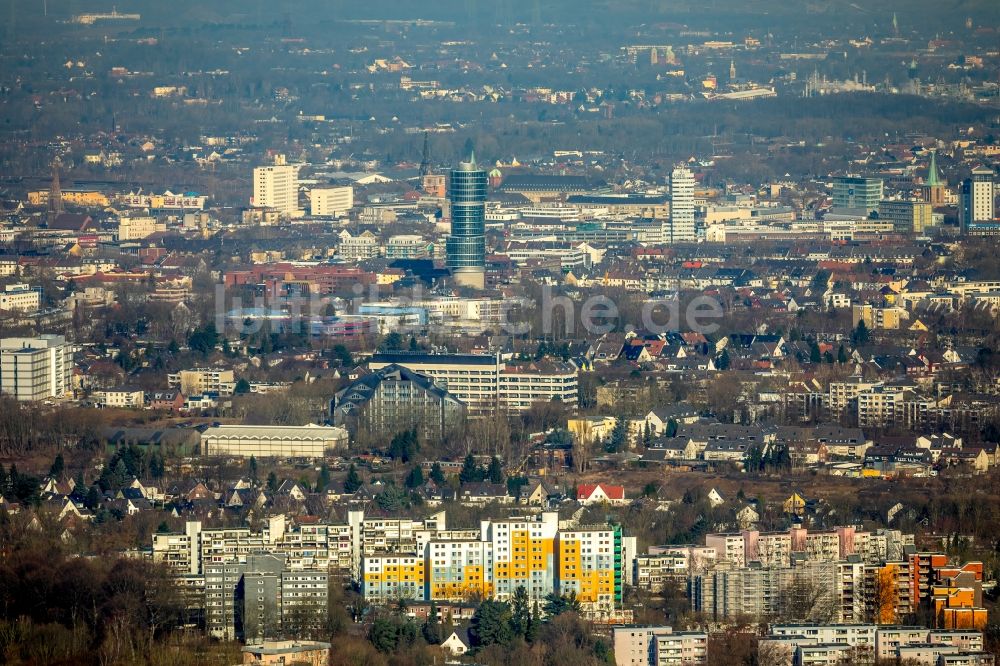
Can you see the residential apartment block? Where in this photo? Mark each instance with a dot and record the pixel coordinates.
(263, 598)
(34, 369)
(658, 646)
(393, 399)
(197, 381)
(485, 382)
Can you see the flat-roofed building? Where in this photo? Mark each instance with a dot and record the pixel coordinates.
(36, 368)
(264, 441)
(907, 217)
(20, 298)
(331, 201)
(636, 645)
(485, 383)
(203, 380)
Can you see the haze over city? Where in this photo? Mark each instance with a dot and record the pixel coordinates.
(625, 333)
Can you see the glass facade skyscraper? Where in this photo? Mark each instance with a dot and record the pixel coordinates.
(466, 245)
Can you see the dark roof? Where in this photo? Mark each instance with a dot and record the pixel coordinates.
(532, 182)
(70, 222)
(631, 200)
(423, 357)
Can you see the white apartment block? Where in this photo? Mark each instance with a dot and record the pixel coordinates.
(20, 298)
(357, 248)
(484, 382)
(36, 368)
(136, 228)
(125, 397)
(277, 187)
(331, 201)
(407, 246)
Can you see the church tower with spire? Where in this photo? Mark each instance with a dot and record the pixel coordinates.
(934, 188)
(55, 192)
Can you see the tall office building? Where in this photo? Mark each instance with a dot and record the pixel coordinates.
(682, 228)
(976, 208)
(36, 368)
(277, 186)
(466, 245)
(907, 217)
(857, 192)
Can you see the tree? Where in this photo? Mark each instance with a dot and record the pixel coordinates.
(861, 334)
(557, 604)
(392, 499)
(495, 472)
(415, 478)
(618, 437)
(437, 474)
(353, 480)
(272, 482)
(323, 481)
(520, 612)
(342, 355)
(671, 427)
(514, 485)
(203, 340)
(723, 362)
(841, 355)
(432, 627)
(807, 601)
(242, 387)
(491, 624)
(58, 465)
(814, 354)
(93, 498)
(157, 468)
(404, 445)
(383, 635)
(252, 465)
(392, 342)
(470, 471)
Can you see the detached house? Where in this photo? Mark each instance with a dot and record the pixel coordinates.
(587, 494)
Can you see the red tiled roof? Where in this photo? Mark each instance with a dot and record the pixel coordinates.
(585, 490)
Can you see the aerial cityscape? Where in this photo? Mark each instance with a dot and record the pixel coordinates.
(564, 333)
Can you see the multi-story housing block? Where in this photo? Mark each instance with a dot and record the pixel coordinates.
(484, 383)
(34, 369)
(590, 564)
(197, 381)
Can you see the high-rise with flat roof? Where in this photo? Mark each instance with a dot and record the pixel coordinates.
(682, 229)
(466, 246)
(857, 192)
(277, 186)
(36, 368)
(976, 205)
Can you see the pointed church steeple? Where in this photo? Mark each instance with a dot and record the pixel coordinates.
(932, 173)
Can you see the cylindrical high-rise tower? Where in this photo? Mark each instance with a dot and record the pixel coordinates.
(467, 243)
